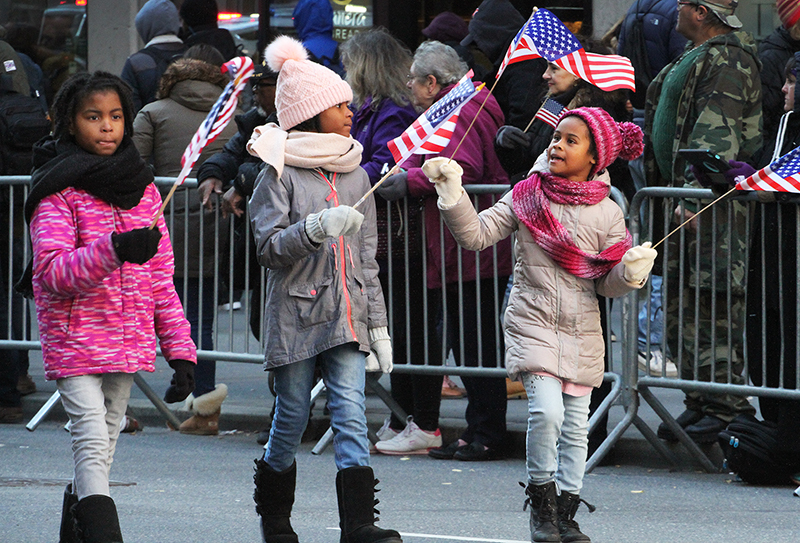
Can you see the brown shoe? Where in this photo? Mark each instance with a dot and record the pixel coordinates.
(201, 425)
(450, 390)
(515, 390)
(25, 385)
(131, 425)
(205, 412)
(10, 415)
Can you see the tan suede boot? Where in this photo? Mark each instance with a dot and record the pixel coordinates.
(206, 410)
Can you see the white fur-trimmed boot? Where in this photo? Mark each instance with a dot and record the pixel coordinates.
(205, 412)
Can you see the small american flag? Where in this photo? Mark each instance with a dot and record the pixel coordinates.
(783, 175)
(431, 131)
(239, 69)
(550, 112)
(545, 36)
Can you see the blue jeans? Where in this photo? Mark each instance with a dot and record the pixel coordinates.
(558, 425)
(342, 369)
(656, 317)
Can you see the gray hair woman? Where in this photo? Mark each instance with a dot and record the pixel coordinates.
(435, 66)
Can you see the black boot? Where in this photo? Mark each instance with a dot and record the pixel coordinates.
(567, 506)
(355, 489)
(97, 520)
(542, 499)
(68, 532)
(274, 497)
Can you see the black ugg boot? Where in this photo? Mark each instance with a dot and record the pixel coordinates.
(542, 500)
(97, 520)
(355, 489)
(68, 532)
(567, 506)
(274, 497)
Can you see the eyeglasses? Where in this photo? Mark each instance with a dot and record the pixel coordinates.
(685, 3)
(410, 78)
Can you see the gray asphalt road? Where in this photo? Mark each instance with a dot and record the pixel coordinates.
(172, 488)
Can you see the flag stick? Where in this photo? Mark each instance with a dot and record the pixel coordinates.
(692, 217)
(537, 112)
(476, 116)
(376, 185)
(179, 181)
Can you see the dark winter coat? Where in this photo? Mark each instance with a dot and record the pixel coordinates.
(773, 52)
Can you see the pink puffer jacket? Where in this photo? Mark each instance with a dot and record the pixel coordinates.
(95, 314)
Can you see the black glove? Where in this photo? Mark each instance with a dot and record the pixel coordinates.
(394, 188)
(511, 137)
(136, 246)
(182, 383)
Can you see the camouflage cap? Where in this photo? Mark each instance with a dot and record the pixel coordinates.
(723, 9)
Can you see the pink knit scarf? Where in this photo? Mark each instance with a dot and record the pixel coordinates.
(532, 198)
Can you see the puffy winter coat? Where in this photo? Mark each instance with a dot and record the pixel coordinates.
(552, 323)
(481, 166)
(162, 130)
(96, 314)
(318, 296)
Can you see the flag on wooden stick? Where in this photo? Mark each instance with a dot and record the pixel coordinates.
(783, 175)
(545, 36)
(550, 112)
(431, 131)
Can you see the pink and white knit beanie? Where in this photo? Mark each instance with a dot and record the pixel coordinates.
(611, 139)
(305, 88)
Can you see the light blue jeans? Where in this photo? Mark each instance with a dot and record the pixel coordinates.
(557, 440)
(343, 373)
(656, 317)
(95, 405)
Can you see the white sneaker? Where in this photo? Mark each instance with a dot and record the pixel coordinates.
(656, 364)
(412, 440)
(235, 306)
(384, 434)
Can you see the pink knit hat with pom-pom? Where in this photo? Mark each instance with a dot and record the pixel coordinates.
(305, 89)
(611, 139)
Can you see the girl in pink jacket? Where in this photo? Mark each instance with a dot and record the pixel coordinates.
(571, 245)
(102, 282)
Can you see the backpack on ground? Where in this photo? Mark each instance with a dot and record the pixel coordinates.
(749, 446)
(22, 123)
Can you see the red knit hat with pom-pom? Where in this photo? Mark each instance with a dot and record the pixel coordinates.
(304, 89)
(611, 139)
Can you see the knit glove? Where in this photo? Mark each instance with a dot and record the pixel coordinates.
(136, 246)
(182, 383)
(394, 187)
(332, 223)
(638, 262)
(380, 359)
(445, 174)
(511, 137)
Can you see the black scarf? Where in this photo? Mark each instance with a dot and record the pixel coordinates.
(119, 180)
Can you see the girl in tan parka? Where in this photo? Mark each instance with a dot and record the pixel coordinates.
(571, 245)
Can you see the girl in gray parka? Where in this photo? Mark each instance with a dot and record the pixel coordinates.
(324, 303)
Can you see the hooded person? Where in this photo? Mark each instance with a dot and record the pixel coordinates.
(313, 20)
(493, 26)
(158, 24)
(449, 28)
(200, 26)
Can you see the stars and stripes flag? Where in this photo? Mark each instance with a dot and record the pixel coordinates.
(431, 131)
(783, 175)
(545, 36)
(239, 69)
(550, 112)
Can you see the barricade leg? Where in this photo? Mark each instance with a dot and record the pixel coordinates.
(43, 412)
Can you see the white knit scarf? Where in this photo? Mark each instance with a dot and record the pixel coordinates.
(331, 152)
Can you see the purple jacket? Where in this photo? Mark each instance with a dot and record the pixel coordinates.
(481, 166)
(374, 129)
(96, 314)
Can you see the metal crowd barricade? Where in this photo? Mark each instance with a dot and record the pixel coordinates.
(706, 287)
(232, 337)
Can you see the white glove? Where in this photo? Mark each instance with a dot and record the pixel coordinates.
(445, 174)
(638, 262)
(380, 359)
(332, 223)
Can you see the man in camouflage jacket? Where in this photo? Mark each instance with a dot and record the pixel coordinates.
(709, 98)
